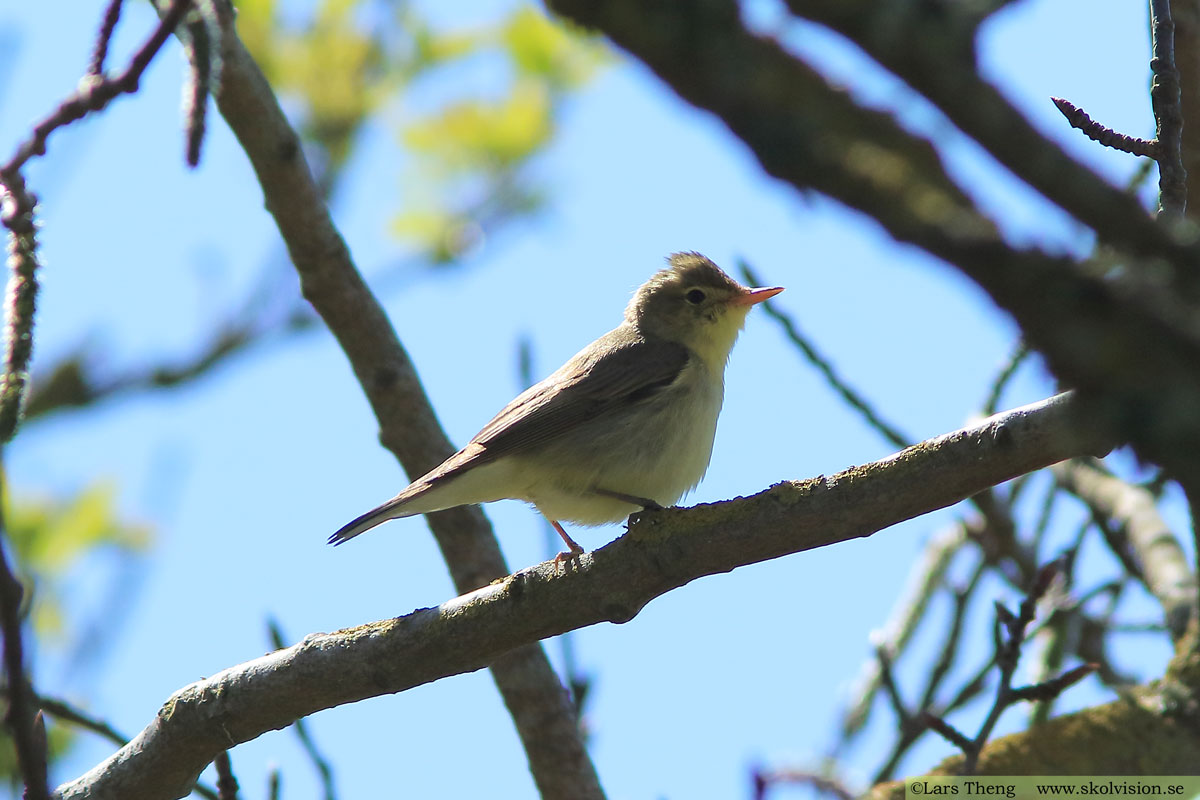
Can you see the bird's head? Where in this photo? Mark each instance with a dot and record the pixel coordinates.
(694, 303)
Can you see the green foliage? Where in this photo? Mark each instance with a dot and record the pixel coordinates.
(50, 538)
(337, 70)
(471, 148)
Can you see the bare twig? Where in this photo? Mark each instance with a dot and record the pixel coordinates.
(947, 731)
(924, 578)
(1015, 560)
(227, 785)
(992, 404)
(1010, 635)
(202, 46)
(72, 383)
(825, 367)
(60, 709)
(949, 648)
(1048, 690)
(63, 710)
(910, 727)
(913, 729)
(888, 680)
(1010, 632)
(93, 94)
(1166, 147)
(1153, 554)
(1104, 135)
(1168, 117)
(100, 51)
(1045, 511)
(764, 779)
(195, 90)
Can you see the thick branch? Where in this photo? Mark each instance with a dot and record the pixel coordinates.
(662, 551)
(544, 718)
(943, 68)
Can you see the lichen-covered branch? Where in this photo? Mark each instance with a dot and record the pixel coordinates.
(663, 550)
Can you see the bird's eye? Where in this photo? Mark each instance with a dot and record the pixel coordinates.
(695, 297)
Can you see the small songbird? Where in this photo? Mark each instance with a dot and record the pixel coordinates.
(628, 423)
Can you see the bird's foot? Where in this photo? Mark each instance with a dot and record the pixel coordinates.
(567, 559)
(573, 552)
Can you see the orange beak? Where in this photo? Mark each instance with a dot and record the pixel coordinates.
(755, 296)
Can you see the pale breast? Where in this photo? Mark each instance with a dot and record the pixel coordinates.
(658, 450)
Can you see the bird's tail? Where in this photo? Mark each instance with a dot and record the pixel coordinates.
(392, 509)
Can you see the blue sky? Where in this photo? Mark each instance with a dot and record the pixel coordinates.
(243, 474)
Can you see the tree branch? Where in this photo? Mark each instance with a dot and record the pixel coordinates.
(1102, 133)
(663, 550)
(22, 717)
(1187, 58)
(1168, 115)
(541, 711)
(944, 70)
(94, 93)
(1161, 563)
(108, 24)
(1149, 730)
(925, 578)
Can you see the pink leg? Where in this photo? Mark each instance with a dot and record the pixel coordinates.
(574, 549)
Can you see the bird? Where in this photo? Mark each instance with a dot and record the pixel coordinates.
(626, 424)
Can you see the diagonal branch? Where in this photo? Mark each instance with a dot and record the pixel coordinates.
(663, 550)
(541, 711)
(1160, 562)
